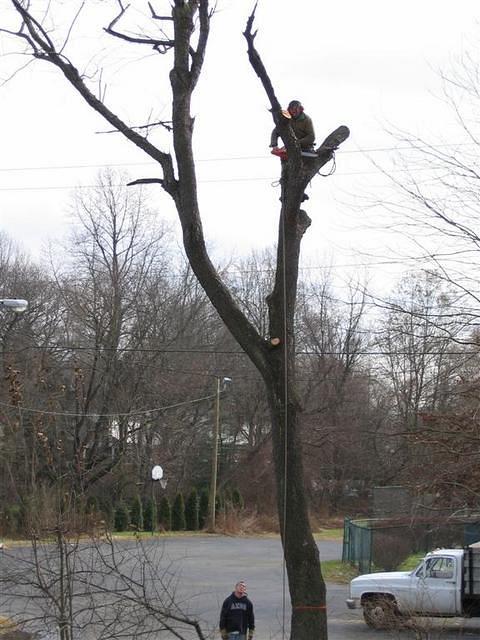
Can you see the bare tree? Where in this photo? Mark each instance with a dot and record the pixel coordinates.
(112, 255)
(90, 586)
(415, 334)
(427, 373)
(24, 360)
(434, 204)
(185, 33)
(435, 209)
(334, 383)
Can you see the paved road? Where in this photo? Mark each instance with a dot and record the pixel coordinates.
(206, 567)
(210, 566)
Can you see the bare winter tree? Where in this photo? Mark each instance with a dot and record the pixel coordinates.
(102, 341)
(435, 207)
(432, 381)
(334, 384)
(434, 203)
(24, 349)
(185, 34)
(71, 587)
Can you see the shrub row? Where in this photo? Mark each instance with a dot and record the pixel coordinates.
(181, 515)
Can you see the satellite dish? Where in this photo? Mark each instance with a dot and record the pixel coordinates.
(157, 472)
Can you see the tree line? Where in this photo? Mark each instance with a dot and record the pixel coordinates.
(112, 370)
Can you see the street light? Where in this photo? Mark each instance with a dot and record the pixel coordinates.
(16, 305)
(216, 433)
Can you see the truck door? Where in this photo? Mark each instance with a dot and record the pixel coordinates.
(437, 586)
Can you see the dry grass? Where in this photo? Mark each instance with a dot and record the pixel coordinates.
(253, 523)
(6, 625)
(246, 523)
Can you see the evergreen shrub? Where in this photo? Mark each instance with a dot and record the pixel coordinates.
(136, 514)
(178, 514)
(192, 511)
(165, 514)
(150, 515)
(203, 509)
(122, 517)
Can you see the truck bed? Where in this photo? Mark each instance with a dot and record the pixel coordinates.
(471, 578)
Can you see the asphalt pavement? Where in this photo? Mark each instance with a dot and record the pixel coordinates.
(203, 570)
(210, 566)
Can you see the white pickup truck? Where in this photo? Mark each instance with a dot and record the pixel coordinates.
(446, 583)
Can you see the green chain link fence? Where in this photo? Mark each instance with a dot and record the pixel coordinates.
(385, 543)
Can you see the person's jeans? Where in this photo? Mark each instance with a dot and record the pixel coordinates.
(236, 635)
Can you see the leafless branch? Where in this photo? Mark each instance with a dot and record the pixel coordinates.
(44, 48)
(96, 585)
(14, 73)
(199, 55)
(72, 24)
(259, 67)
(166, 124)
(160, 45)
(156, 16)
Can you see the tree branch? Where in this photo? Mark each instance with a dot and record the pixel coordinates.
(199, 55)
(44, 49)
(166, 124)
(162, 46)
(183, 81)
(145, 181)
(156, 16)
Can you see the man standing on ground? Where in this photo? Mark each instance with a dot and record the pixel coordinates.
(236, 615)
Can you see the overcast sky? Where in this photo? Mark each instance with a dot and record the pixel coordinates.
(369, 65)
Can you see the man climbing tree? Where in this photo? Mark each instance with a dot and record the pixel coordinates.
(185, 34)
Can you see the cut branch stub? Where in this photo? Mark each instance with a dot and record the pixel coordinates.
(145, 181)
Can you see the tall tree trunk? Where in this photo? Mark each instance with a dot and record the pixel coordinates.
(306, 584)
(275, 363)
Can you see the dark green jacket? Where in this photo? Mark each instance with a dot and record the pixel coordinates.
(302, 128)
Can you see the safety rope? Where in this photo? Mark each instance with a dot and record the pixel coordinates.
(285, 428)
(332, 170)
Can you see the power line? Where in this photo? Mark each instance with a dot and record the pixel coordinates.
(210, 181)
(231, 352)
(107, 415)
(222, 158)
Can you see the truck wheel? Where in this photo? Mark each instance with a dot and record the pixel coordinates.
(380, 613)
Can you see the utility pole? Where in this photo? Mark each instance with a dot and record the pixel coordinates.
(216, 435)
(213, 477)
